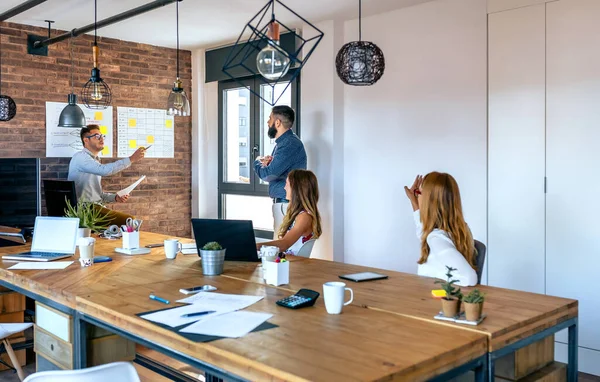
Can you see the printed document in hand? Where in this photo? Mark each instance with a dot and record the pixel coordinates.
(222, 300)
(44, 265)
(172, 317)
(234, 324)
(128, 190)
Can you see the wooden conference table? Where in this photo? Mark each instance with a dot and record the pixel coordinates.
(387, 333)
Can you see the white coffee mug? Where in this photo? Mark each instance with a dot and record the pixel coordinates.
(269, 252)
(333, 293)
(172, 248)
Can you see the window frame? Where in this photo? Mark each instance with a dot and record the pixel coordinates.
(254, 188)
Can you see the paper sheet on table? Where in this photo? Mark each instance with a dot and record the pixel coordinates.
(222, 300)
(234, 324)
(172, 317)
(128, 190)
(42, 265)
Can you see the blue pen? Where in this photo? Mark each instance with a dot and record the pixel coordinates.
(156, 298)
(197, 314)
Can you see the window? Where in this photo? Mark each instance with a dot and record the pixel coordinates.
(242, 137)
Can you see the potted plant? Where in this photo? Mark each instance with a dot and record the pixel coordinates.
(451, 302)
(473, 305)
(213, 258)
(90, 217)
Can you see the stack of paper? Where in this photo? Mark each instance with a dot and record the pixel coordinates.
(233, 325)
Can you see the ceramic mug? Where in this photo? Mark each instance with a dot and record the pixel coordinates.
(333, 293)
(172, 248)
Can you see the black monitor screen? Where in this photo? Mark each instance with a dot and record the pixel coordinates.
(19, 191)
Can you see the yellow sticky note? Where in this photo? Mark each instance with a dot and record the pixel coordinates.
(132, 122)
(105, 151)
(132, 144)
(104, 130)
(169, 123)
(150, 139)
(438, 293)
(98, 116)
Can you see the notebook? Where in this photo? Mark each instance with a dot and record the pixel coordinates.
(53, 238)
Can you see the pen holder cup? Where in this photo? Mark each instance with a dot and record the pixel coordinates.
(212, 262)
(131, 240)
(276, 273)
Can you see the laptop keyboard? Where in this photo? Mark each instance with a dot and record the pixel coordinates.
(41, 254)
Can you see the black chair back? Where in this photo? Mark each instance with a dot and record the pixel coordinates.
(55, 192)
(480, 259)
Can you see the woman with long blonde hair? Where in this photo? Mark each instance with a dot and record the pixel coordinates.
(302, 220)
(446, 240)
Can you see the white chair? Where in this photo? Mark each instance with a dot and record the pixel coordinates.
(306, 248)
(7, 330)
(112, 372)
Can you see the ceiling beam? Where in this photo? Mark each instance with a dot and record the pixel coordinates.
(102, 23)
(20, 9)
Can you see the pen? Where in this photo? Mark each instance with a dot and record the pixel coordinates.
(153, 297)
(197, 314)
(146, 148)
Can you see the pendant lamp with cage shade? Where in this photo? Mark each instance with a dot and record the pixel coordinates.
(8, 107)
(96, 93)
(72, 116)
(178, 102)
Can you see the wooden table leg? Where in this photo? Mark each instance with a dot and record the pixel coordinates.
(14, 359)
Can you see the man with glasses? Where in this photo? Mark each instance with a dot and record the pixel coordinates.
(86, 171)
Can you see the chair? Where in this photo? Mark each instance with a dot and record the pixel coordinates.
(306, 248)
(55, 192)
(7, 330)
(113, 372)
(480, 259)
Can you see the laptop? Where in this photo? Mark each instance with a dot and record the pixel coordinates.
(53, 238)
(236, 236)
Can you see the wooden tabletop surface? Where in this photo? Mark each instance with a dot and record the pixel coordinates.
(511, 314)
(309, 344)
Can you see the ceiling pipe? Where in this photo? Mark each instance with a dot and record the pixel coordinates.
(111, 20)
(20, 9)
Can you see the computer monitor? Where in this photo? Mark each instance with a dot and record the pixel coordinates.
(19, 192)
(236, 236)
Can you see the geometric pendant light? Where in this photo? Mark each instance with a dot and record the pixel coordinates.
(72, 115)
(8, 107)
(96, 93)
(360, 63)
(178, 102)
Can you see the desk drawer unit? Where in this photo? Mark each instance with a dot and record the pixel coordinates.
(53, 349)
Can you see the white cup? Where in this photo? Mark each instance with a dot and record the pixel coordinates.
(268, 252)
(334, 296)
(172, 248)
(86, 255)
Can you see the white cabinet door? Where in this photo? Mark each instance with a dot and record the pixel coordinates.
(573, 164)
(516, 149)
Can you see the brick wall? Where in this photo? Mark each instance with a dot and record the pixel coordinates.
(139, 76)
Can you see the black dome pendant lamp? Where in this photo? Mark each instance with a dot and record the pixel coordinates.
(360, 63)
(96, 93)
(72, 116)
(8, 107)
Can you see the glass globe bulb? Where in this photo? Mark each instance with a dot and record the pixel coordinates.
(272, 63)
(96, 94)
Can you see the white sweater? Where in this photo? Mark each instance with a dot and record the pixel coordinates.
(442, 252)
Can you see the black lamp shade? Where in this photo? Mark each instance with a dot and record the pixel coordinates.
(8, 108)
(360, 63)
(72, 115)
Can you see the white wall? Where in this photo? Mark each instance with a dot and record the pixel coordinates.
(428, 112)
(204, 141)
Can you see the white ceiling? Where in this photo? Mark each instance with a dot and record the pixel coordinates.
(203, 23)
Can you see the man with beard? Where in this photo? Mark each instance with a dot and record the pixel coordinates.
(288, 155)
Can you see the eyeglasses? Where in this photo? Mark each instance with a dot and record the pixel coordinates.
(98, 136)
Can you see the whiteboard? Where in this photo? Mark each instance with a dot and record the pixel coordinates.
(144, 127)
(63, 142)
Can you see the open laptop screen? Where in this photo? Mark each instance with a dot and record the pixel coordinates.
(236, 236)
(54, 234)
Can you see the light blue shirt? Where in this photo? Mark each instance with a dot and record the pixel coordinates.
(86, 171)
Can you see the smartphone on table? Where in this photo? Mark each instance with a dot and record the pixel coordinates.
(203, 288)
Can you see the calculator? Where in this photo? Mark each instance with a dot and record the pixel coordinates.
(303, 298)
